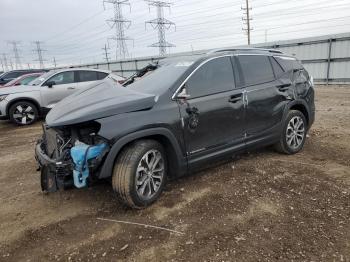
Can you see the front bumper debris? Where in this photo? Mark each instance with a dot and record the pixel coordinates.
(55, 175)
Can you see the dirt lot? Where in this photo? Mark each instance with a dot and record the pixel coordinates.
(261, 206)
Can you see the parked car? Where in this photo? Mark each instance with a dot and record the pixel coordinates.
(23, 80)
(188, 112)
(23, 106)
(10, 75)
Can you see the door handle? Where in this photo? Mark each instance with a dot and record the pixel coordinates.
(235, 98)
(283, 87)
(70, 88)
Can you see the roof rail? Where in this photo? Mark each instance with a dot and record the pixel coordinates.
(244, 49)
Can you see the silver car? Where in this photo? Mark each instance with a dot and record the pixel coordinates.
(24, 104)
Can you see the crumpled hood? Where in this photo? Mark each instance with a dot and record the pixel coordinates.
(101, 100)
(18, 89)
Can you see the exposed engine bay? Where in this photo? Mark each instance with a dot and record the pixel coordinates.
(70, 156)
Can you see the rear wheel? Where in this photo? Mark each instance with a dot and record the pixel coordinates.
(23, 113)
(294, 133)
(140, 173)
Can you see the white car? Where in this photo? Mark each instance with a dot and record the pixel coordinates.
(24, 104)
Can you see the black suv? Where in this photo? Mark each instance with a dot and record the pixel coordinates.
(10, 75)
(172, 118)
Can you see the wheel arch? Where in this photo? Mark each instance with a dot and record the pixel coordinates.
(177, 163)
(26, 99)
(301, 106)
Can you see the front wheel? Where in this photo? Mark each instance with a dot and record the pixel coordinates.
(23, 113)
(140, 173)
(293, 134)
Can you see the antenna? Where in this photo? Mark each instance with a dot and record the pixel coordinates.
(40, 53)
(161, 24)
(120, 25)
(247, 20)
(16, 53)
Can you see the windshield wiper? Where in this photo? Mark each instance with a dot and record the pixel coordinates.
(140, 73)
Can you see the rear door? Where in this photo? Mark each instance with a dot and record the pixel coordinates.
(213, 116)
(65, 85)
(266, 96)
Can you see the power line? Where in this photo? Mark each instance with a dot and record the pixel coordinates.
(120, 25)
(16, 53)
(40, 53)
(247, 20)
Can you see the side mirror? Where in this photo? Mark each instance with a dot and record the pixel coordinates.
(50, 84)
(183, 94)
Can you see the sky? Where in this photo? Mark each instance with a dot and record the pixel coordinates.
(75, 31)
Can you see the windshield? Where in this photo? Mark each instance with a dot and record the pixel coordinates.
(38, 81)
(164, 76)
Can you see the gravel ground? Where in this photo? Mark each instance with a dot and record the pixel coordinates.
(261, 206)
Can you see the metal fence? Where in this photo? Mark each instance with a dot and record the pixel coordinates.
(327, 58)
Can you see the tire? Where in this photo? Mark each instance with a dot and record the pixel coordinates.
(131, 168)
(23, 113)
(293, 134)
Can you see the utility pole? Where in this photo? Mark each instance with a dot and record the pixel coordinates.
(247, 20)
(16, 53)
(161, 24)
(4, 62)
(120, 25)
(40, 53)
(28, 64)
(54, 62)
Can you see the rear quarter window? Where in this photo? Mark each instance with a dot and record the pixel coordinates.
(288, 63)
(101, 75)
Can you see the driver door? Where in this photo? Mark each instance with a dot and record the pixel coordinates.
(64, 84)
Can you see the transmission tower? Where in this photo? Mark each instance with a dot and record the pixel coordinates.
(39, 51)
(16, 53)
(161, 24)
(4, 62)
(106, 53)
(120, 25)
(247, 19)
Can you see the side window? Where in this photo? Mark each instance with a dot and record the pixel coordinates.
(101, 75)
(276, 67)
(256, 69)
(11, 75)
(85, 76)
(63, 78)
(27, 80)
(213, 77)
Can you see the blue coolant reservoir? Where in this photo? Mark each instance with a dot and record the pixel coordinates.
(80, 154)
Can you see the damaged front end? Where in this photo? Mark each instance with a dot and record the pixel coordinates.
(70, 156)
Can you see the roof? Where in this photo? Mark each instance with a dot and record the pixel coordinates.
(81, 69)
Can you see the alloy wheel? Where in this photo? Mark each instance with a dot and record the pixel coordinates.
(24, 114)
(149, 174)
(295, 132)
